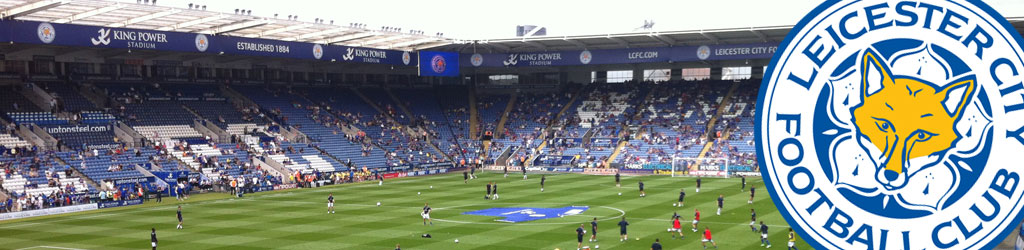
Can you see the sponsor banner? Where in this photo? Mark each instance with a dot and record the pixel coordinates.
(714, 173)
(77, 129)
(285, 186)
(100, 37)
(624, 56)
(123, 38)
(601, 171)
(48, 211)
(131, 181)
(368, 55)
(121, 203)
(636, 171)
(433, 63)
(263, 188)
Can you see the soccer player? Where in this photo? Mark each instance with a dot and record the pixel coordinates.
(743, 182)
(152, 238)
(656, 245)
(721, 201)
(622, 229)
(494, 195)
(542, 179)
(380, 179)
(488, 196)
(179, 218)
(426, 214)
(617, 179)
(579, 237)
(330, 203)
(398, 246)
(524, 171)
(707, 238)
(465, 177)
(682, 196)
(751, 201)
(696, 219)
(472, 172)
(506, 171)
(677, 228)
(792, 240)
(698, 184)
(753, 218)
(593, 230)
(642, 194)
(764, 236)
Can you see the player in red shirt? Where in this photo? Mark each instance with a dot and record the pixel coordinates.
(707, 238)
(696, 219)
(677, 228)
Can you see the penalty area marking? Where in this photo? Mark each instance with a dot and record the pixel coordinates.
(500, 222)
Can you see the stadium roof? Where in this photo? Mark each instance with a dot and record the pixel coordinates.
(153, 17)
(636, 39)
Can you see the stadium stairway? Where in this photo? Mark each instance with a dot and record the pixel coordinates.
(399, 103)
(368, 101)
(474, 117)
(98, 98)
(639, 115)
(711, 124)
(77, 173)
(500, 130)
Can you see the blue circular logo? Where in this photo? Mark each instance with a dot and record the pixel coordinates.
(896, 125)
(438, 64)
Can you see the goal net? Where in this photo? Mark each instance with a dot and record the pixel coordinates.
(691, 166)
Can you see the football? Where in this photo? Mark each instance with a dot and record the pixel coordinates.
(378, 203)
(456, 240)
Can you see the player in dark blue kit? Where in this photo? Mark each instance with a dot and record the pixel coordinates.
(622, 229)
(179, 218)
(579, 236)
(152, 238)
(542, 179)
(764, 236)
(617, 177)
(494, 191)
(753, 218)
(698, 184)
(751, 201)
(721, 201)
(506, 171)
(593, 230)
(426, 215)
(330, 203)
(642, 194)
(488, 196)
(465, 176)
(656, 245)
(743, 182)
(682, 196)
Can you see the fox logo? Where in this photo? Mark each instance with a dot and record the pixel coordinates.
(906, 124)
(880, 127)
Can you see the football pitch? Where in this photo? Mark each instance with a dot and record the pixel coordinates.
(297, 219)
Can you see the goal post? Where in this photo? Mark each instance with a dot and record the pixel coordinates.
(693, 166)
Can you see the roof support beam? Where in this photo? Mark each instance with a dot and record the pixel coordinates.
(383, 40)
(349, 37)
(431, 45)
(711, 37)
(320, 33)
(87, 14)
(668, 41)
(619, 41)
(759, 35)
(30, 8)
(187, 24)
(236, 26)
(414, 42)
(145, 18)
(578, 44)
(280, 30)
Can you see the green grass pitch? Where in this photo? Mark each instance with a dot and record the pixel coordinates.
(297, 219)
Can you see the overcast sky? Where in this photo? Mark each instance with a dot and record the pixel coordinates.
(483, 19)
